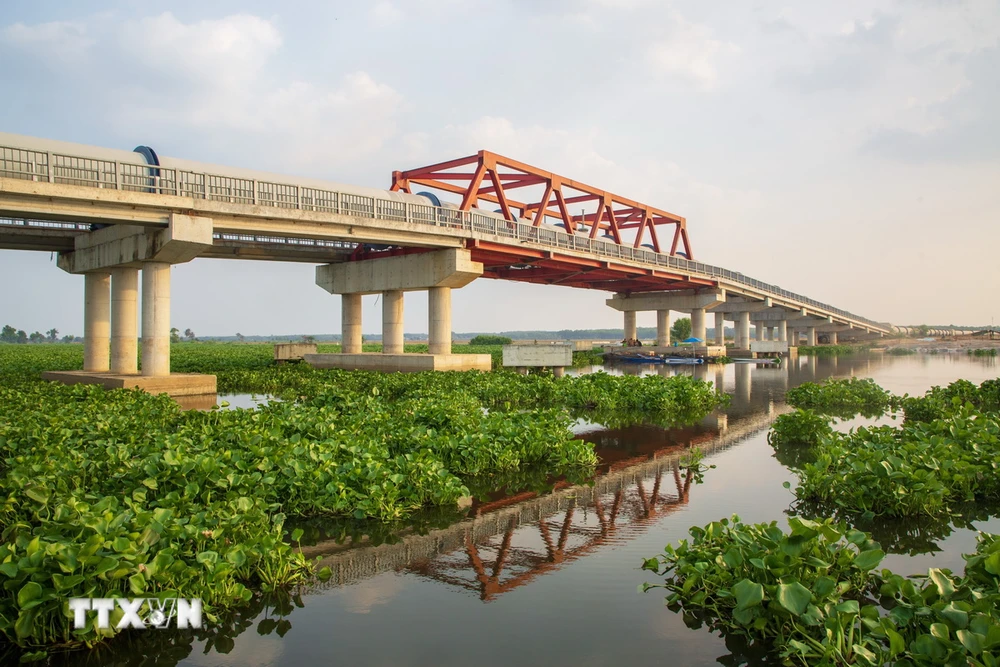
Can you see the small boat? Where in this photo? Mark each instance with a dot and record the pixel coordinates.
(640, 358)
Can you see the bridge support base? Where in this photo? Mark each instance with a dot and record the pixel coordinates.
(401, 363)
(175, 384)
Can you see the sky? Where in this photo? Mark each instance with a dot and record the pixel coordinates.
(846, 151)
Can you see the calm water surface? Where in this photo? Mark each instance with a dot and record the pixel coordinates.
(551, 578)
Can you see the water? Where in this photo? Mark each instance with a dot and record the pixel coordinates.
(552, 578)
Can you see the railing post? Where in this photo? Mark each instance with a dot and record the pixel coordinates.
(118, 175)
(50, 167)
(336, 200)
(406, 211)
(375, 207)
(298, 196)
(253, 195)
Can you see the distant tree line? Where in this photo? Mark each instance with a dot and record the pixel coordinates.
(11, 335)
(490, 339)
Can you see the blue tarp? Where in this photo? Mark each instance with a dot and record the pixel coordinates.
(692, 339)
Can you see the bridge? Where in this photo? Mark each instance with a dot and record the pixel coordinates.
(113, 213)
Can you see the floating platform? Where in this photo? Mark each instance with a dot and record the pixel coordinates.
(401, 363)
(175, 384)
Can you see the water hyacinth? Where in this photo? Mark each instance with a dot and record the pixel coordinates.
(119, 493)
(814, 595)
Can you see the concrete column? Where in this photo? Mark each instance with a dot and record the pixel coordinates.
(96, 322)
(698, 323)
(758, 331)
(743, 331)
(811, 335)
(439, 316)
(124, 320)
(350, 323)
(793, 337)
(155, 319)
(663, 328)
(630, 325)
(783, 331)
(833, 338)
(558, 371)
(392, 322)
(720, 328)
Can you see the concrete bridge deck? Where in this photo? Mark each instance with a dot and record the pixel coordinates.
(86, 187)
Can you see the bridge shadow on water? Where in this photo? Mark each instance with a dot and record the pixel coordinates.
(531, 535)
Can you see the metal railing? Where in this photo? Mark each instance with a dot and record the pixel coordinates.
(50, 167)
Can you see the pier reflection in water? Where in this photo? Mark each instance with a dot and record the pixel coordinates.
(558, 569)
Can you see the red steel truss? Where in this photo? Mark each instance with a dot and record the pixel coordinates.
(494, 178)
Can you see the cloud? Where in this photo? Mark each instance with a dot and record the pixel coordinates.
(386, 13)
(688, 51)
(966, 129)
(219, 82)
(847, 61)
(63, 41)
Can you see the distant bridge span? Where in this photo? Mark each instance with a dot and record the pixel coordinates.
(105, 210)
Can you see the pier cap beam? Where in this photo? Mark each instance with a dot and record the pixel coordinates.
(681, 300)
(184, 238)
(402, 273)
(737, 304)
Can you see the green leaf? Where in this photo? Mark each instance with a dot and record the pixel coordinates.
(869, 560)
(237, 557)
(943, 582)
(748, 594)
(29, 592)
(297, 534)
(36, 494)
(972, 642)
(957, 617)
(137, 583)
(207, 557)
(794, 597)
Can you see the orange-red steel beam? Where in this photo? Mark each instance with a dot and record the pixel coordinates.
(615, 213)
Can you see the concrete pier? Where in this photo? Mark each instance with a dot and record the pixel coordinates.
(720, 328)
(811, 336)
(833, 339)
(630, 330)
(783, 331)
(350, 323)
(155, 319)
(743, 330)
(439, 320)
(96, 321)
(124, 320)
(698, 323)
(392, 322)
(115, 254)
(663, 328)
(437, 272)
